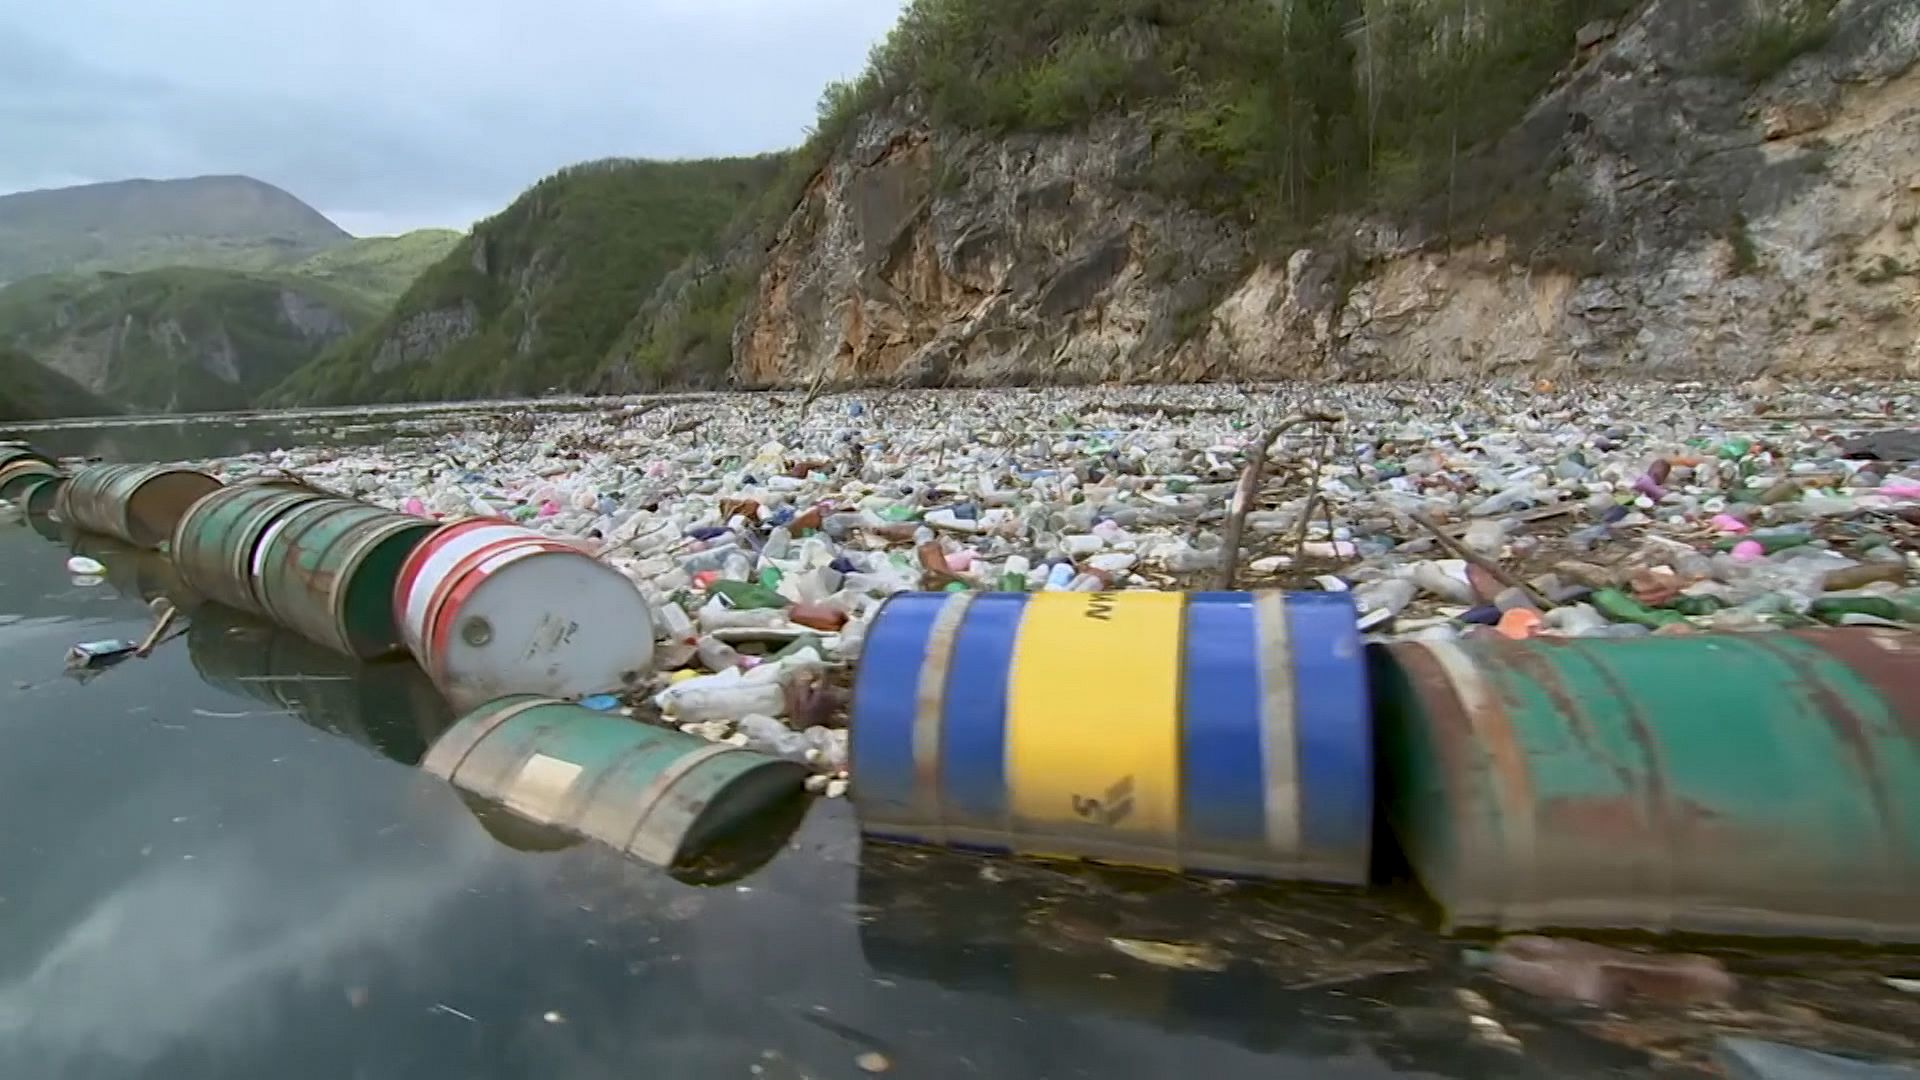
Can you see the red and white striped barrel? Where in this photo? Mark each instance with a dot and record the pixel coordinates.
(491, 609)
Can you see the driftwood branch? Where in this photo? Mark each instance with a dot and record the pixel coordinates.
(1249, 489)
(1499, 573)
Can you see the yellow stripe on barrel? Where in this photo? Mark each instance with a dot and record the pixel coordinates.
(1093, 725)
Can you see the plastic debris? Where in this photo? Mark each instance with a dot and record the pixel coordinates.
(758, 530)
(1166, 954)
(1602, 976)
(93, 655)
(82, 566)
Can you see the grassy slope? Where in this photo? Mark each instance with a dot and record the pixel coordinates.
(553, 279)
(232, 222)
(132, 316)
(31, 392)
(379, 269)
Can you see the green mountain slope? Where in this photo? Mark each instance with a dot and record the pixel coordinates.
(379, 269)
(234, 222)
(535, 296)
(179, 339)
(29, 391)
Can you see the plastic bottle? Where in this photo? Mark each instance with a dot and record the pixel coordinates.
(1392, 595)
(672, 621)
(1576, 620)
(691, 702)
(1446, 580)
(716, 655)
(768, 735)
(1620, 607)
(1059, 576)
(741, 594)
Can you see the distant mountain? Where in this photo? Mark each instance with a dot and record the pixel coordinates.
(232, 222)
(179, 339)
(379, 269)
(31, 392)
(535, 296)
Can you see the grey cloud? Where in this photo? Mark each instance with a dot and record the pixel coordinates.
(429, 112)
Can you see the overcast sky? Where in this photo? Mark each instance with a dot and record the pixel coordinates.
(389, 115)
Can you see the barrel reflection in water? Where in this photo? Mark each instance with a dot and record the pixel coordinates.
(135, 573)
(390, 708)
(1303, 971)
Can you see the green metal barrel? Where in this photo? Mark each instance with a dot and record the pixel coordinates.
(214, 543)
(660, 796)
(41, 494)
(327, 570)
(17, 475)
(390, 708)
(140, 504)
(1725, 784)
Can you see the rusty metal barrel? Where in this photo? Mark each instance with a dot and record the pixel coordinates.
(657, 795)
(215, 540)
(40, 495)
(390, 708)
(140, 504)
(11, 452)
(1215, 733)
(1761, 783)
(21, 473)
(327, 569)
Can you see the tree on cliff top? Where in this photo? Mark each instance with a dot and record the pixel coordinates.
(1275, 109)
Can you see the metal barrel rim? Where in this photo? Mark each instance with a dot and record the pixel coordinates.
(458, 583)
(141, 504)
(433, 559)
(324, 564)
(216, 565)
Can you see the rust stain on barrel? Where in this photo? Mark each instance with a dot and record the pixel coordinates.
(1850, 728)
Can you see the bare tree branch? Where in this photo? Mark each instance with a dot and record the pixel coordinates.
(1249, 489)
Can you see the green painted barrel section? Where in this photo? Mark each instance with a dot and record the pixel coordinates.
(658, 795)
(141, 504)
(327, 570)
(390, 708)
(40, 496)
(1725, 784)
(214, 543)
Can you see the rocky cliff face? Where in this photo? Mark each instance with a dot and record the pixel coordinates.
(175, 340)
(1651, 215)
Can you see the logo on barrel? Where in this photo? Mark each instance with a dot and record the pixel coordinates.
(1108, 811)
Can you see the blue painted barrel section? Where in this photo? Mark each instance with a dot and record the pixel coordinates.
(1226, 734)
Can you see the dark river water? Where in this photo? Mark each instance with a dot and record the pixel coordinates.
(220, 861)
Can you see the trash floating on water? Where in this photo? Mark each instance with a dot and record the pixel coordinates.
(82, 565)
(93, 655)
(662, 797)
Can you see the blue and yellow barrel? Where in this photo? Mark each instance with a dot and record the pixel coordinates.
(1212, 733)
